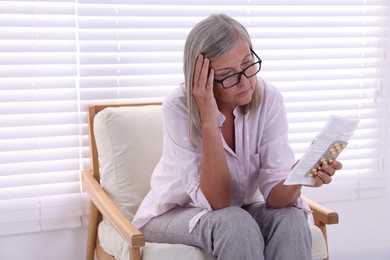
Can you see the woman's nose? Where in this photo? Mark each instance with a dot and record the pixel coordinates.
(243, 80)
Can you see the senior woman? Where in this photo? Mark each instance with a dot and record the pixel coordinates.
(219, 183)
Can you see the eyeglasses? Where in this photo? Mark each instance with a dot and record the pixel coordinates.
(234, 79)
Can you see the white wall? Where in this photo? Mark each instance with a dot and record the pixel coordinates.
(56, 245)
(363, 231)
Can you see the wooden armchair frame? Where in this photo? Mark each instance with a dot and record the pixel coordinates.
(101, 204)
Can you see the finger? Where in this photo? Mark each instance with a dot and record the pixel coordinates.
(337, 165)
(198, 68)
(330, 170)
(318, 182)
(210, 80)
(203, 78)
(325, 178)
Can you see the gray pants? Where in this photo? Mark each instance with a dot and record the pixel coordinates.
(252, 232)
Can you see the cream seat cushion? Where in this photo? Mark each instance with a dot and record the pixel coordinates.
(129, 142)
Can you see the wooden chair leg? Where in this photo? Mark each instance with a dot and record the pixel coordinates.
(92, 231)
(322, 226)
(135, 253)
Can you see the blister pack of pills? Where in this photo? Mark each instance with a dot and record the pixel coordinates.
(324, 149)
(327, 157)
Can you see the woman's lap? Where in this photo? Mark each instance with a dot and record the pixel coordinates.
(235, 232)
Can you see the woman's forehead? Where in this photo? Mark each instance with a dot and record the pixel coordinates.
(238, 53)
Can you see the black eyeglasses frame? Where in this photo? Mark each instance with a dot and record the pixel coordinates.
(241, 72)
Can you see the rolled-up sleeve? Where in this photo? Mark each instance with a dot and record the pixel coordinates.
(181, 158)
(276, 160)
(276, 155)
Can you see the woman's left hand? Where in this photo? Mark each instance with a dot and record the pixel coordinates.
(325, 175)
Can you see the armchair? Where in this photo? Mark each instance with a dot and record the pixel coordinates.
(125, 145)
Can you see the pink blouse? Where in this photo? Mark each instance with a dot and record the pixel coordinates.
(263, 157)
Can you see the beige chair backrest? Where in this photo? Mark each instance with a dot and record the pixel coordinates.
(129, 144)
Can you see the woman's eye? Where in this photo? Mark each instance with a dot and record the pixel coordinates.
(246, 64)
(227, 74)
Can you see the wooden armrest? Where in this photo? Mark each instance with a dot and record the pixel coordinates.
(322, 217)
(111, 212)
(322, 213)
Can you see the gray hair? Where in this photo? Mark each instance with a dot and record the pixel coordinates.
(212, 37)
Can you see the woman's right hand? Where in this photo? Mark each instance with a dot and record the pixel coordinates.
(202, 90)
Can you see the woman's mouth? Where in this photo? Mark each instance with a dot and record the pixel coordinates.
(243, 93)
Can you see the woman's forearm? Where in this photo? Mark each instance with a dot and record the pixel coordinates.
(215, 180)
(283, 195)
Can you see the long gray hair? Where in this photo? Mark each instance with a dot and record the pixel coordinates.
(212, 37)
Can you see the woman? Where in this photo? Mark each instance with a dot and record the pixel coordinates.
(219, 184)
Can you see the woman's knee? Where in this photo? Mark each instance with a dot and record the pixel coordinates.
(234, 224)
(238, 222)
(292, 221)
(294, 217)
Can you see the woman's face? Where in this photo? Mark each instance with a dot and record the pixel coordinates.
(235, 60)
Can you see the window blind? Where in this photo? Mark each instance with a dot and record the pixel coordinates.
(327, 57)
(39, 118)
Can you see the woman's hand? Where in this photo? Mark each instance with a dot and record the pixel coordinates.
(325, 175)
(202, 90)
(286, 195)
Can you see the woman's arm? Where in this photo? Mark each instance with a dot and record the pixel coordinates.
(215, 180)
(283, 195)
